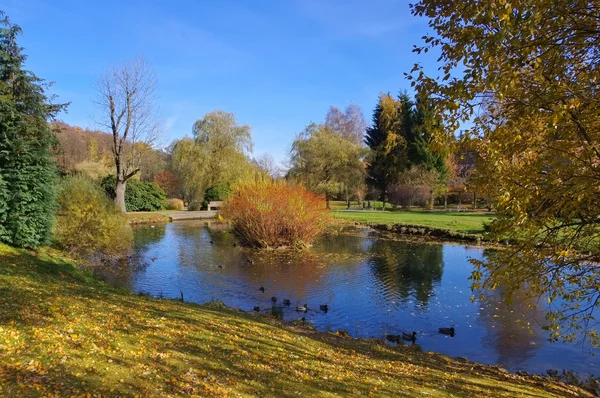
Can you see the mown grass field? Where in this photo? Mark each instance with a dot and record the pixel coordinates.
(468, 222)
(64, 333)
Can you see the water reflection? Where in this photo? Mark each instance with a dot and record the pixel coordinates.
(409, 271)
(512, 331)
(372, 286)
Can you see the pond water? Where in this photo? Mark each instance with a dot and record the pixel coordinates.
(373, 286)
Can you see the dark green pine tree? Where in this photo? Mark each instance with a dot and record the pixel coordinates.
(414, 116)
(27, 170)
(420, 151)
(386, 159)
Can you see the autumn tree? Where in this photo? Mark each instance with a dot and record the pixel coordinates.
(349, 124)
(525, 76)
(216, 154)
(387, 156)
(268, 165)
(126, 99)
(168, 182)
(326, 162)
(27, 170)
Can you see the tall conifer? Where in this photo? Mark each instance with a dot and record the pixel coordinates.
(27, 170)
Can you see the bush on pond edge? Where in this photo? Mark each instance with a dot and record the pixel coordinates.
(269, 214)
(88, 221)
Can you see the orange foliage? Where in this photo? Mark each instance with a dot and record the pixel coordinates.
(270, 214)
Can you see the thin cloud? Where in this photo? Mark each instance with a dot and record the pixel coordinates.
(372, 20)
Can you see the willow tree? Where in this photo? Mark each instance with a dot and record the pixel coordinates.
(216, 154)
(525, 75)
(326, 162)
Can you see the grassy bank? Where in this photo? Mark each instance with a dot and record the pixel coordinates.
(64, 333)
(471, 223)
(148, 217)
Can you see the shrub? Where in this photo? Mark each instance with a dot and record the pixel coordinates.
(88, 221)
(270, 214)
(195, 206)
(139, 195)
(174, 204)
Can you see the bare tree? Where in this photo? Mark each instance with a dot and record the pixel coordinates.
(126, 98)
(268, 165)
(349, 124)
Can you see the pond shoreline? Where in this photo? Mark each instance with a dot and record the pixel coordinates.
(421, 233)
(207, 349)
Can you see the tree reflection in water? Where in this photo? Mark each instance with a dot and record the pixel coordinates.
(408, 270)
(504, 329)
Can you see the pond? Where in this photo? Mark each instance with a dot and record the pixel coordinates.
(372, 286)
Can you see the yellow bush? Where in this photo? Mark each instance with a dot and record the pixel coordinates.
(174, 204)
(88, 221)
(274, 214)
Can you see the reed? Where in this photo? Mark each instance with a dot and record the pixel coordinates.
(275, 214)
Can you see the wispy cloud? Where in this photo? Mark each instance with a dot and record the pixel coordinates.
(189, 42)
(351, 18)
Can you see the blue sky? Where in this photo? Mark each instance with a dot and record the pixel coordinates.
(276, 64)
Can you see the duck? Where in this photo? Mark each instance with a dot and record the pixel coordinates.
(448, 331)
(235, 245)
(250, 261)
(257, 308)
(324, 307)
(262, 289)
(394, 338)
(220, 266)
(211, 242)
(302, 308)
(286, 302)
(409, 336)
(274, 299)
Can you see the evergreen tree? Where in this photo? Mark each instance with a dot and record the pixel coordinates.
(420, 151)
(387, 157)
(399, 140)
(27, 171)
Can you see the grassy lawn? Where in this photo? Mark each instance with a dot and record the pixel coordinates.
(64, 333)
(140, 217)
(462, 222)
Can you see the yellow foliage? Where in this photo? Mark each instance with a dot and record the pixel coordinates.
(174, 204)
(88, 221)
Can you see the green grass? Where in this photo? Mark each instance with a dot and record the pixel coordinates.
(461, 222)
(64, 333)
(146, 217)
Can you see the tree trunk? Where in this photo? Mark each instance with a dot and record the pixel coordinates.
(459, 199)
(475, 199)
(327, 201)
(445, 200)
(120, 194)
(432, 199)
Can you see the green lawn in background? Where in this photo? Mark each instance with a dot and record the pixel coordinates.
(468, 222)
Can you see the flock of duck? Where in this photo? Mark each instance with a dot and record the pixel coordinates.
(397, 338)
(287, 303)
(394, 338)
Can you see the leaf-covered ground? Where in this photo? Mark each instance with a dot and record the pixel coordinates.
(63, 333)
